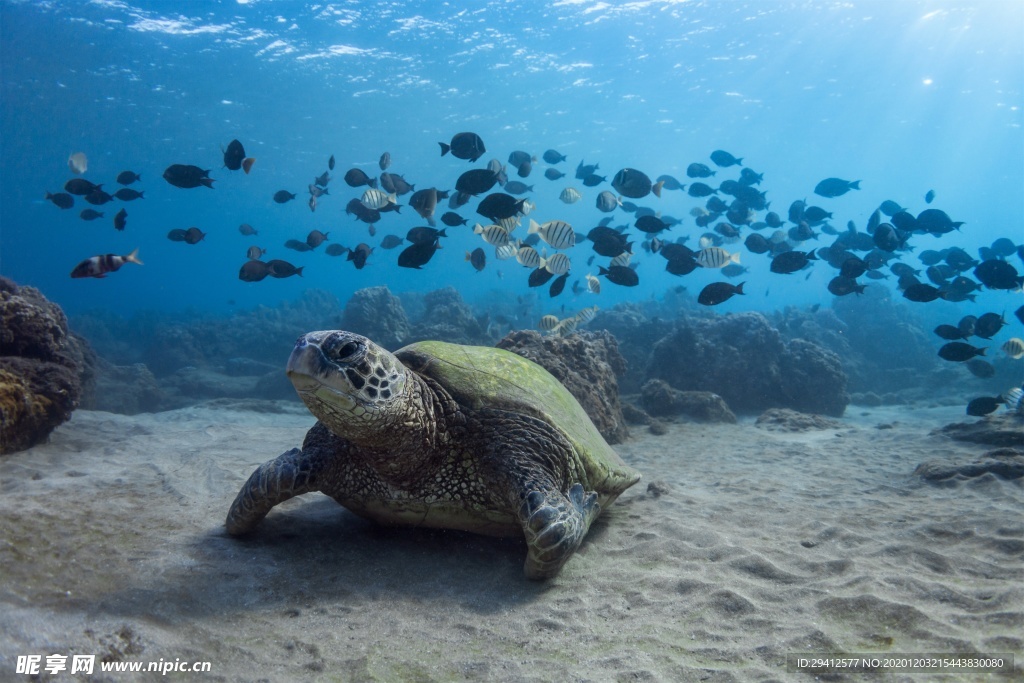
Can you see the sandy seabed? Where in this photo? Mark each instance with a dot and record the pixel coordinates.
(751, 545)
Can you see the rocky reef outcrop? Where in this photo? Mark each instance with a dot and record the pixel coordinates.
(587, 364)
(44, 370)
(746, 361)
(998, 429)
(376, 313)
(659, 399)
(1004, 463)
(446, 317)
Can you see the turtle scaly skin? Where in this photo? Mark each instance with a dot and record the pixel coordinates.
(446, 436)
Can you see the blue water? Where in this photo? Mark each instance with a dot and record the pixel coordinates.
(905, 96)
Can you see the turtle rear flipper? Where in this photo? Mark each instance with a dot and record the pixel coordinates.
(288, 475)
(554, 524)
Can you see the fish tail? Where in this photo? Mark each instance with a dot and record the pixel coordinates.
(739, 288)
(133, 257)
(855, 185)
(734, 257)
(534, 227)
(445, 148)
(469, 257)
(298, 271)
(656, 188)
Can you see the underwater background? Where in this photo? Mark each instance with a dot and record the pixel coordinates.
(904, 97)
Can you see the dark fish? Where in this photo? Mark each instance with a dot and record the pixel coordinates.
(99, 266)
(384, 162)
(724, 159)
(948, 332)
(984, 405)
(553, 157)
(356, 207)
(608, 242)
(841, 286)
(281, 269)
(120, 220)
(1003, 246)
(80, 186)
(1019, 313)
(936, 222)
(887, 237)
(553, 174)
(477, 258)
(98, 197)
(670, 182)
(283, 196)
(187, 176)
(425, 235)
(960, 351)
(835, 187)
(176, 235)
(988, 325)
(606, 201)
(315, 238)
(234, 155)
(981, 368)
(335, 249)
(696, 170)
(424, 202)
(929, 196)
(499, 206)
(816, 214)
(391, 241)
(330, 163)
(61, 200)
(247, 229)
(355, 177)
(519, 157)
(297, 245)
(757, 244)
(359, 255)
(394, 183)
(417, 255)
(539, 277)
(452, 219)
(126, 194)
(853, 267)
(890, 208)
(922, 293)
(905, 221)
(476, 181)
(516, 187)
(583, 170)
(632, 183)
(717, 292)
(997, 274)
(593, 180)
(467, 146)
(650, 224)
(791, 261)
(90, 214)
(128, 177)
(194, 235)
(620, 275)
(700, 190)
(253, 271)
(319, 186)
(558, 285)
(750, 177)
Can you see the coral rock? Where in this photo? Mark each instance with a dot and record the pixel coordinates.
(660, 399)
(376, 313)
(786, 420)
(586, 363)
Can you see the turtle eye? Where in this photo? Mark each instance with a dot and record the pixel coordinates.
(345, 352)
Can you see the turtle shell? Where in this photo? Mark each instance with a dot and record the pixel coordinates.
(487, 377)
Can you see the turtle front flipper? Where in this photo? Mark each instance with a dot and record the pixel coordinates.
(555, 524)
(288, 475)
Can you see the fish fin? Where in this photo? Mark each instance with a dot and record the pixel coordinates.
(855, 185)
(133, 257)
(739, 288)
(99, 275)
(734, 257)
(445, 148)
(534, 227)
(298, 271)
(247, 164)
(656, 188)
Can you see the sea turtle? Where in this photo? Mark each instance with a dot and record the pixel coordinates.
(442, 435)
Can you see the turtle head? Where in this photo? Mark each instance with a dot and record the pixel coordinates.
(349, 383)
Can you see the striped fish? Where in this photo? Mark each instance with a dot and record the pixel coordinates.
(570, 195)
(587, 314)
(548, 323)
(505, 251)
(99, 266)
(492, 234)
(558, 234)
(376, 199)
(567, 326)
(510, 223)
(716, 257)
(527, 256)
(556, 264)
(593, 284)
(622, 259)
